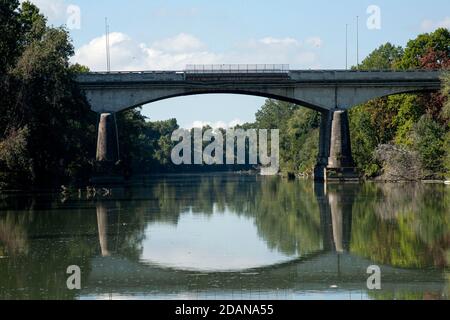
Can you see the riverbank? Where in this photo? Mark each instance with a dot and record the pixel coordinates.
(146, 179)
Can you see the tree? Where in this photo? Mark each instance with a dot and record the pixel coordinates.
(44, 107)
(383, 58)
(446, 116)
(34, 24)
(365, 139)
(416, 51)
(408, 122)
(274, 114)
(11, 33)
(446, 93)
(299, 134)
(428, 137)
(303, 137)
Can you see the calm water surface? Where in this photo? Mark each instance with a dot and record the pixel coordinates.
(228, 237)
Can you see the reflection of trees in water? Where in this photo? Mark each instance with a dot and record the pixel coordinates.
(56, 236)
(286, 213)
(13, 236)
(288, 218)
(54, 243)
(398, 225)
(402, 225)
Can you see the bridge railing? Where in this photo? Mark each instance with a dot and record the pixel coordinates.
(236, 68)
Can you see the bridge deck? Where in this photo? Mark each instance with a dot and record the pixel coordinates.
(321, 90)
(296, 76)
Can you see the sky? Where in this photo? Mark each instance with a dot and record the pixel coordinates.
(169, 34)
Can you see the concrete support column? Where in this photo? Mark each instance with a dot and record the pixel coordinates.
(340, 143)
(107, 149)
(335, 160)
(324, 145)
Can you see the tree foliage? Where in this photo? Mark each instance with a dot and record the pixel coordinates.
(417, 122)
(299, 134)
(45, 118)
(384, 58)
(417, 50)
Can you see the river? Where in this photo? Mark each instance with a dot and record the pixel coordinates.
(221, 236)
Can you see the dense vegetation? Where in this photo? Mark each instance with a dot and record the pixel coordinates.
(388, 133)
(416, 125)
(48, 133)
(46, 128)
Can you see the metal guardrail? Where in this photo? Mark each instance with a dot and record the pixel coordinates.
(260, 70)
(236, 68)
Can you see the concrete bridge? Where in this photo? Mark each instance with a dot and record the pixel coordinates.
(331, 92)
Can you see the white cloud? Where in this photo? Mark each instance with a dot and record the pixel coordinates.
(176, 52)
(54, 10)
(283, 42)
(314, 42)
(216, 125)
(175, 13)
(180, 43)
(277, 51)
(125, 52)
(430, 25)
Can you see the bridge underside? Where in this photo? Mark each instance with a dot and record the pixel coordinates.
(329, 92)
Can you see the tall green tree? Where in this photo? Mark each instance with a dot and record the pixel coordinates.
(416, 49)
(446, 115)
(46, 118)
(299, 134)
(386, 57)
(11, 32)
(416, 122)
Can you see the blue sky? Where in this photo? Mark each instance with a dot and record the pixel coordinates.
(169, 34)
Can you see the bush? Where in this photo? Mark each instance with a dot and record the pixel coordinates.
(399, 164)
(428, 138)
(14, 151)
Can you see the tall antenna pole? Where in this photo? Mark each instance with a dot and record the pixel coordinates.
(346, 47)
(108, 54)
(357, 42)
(108, 67)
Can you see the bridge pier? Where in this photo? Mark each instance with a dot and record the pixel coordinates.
(107, 149)
(324, 145)
(335, 161)
(107, 156)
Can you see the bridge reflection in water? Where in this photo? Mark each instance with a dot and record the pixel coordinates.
(331, 268)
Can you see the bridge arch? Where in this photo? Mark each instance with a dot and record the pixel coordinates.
(300, 103)
(121, 100)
